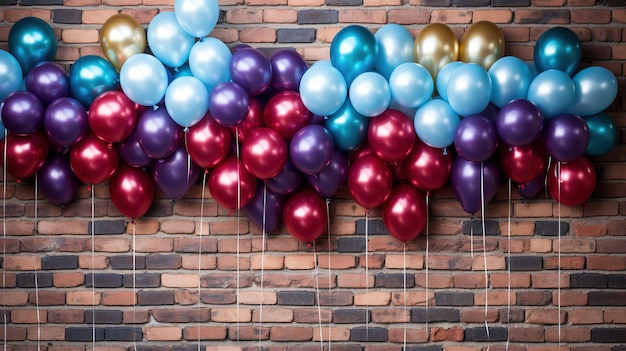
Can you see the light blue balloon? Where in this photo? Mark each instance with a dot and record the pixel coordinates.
(209, 61)
(32, 41)
(323, 89)
(395, 47)
(469, 89)
(348, 127)
(436, 123)
(510, 78)
(90, 76)
(10, 74)
(595, 88)
(444, 76)
(186, 101)
(182, 71)
(197, 17)
(408, 111)
(553, 92)
(144, 79)
(370, 94)
(168, 41)
(353, 51)
(411, 85)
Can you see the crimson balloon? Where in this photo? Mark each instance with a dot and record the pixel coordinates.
(231, 185)
(370, 181)
(93, 160)
(523, 163)
(264, 153)
(25, 154)
(428, 168)
(404, 213)
(112, 116)
(254, 119)
(391, 135)
(131, 190)
(285, 112)
(571, 183)
(305, 215)
(208, 142)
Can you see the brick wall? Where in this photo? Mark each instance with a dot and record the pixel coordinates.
(69, 277)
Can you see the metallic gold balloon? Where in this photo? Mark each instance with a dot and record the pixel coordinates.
(436, 46)
(482, 44)
(121, 37)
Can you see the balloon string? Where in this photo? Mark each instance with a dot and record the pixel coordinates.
(482, 220)
(200, 255)
(93, 266)
(4, 238)
(263, 233)
(134, 225)
(558, 278)
(426, 263)
(508, 255)
(404, 309)
(367, 319)
(36, 273)
(238, 225)
(329, 272)
(545, 179)
(188, 175)
(317, 292)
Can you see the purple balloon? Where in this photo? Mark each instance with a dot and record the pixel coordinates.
(175, 175)
(531, 189)
(287, 181)
(476, 138)
(57, 181)
(466, 182)
(311, 149)
(251, 69)
(48, 81)
(157, 133)
(330, 179)
(566, 137)
(288, 66)
(273, 204)
(65, 121)
(228, 104)
(519, 122)
(131, 152)
(22, 112)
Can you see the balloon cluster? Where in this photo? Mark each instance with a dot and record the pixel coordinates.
(388, 116)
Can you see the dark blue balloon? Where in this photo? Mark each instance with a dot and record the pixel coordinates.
(311, 149)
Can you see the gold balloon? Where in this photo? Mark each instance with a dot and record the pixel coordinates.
(482, 44)
(121, 37)
(435, 46)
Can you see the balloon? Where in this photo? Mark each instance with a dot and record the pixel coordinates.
(231, 185)
(523, 163)
(571, 183)
(197, 17)
(476, 138)
(602, 134)
(208, 142)
(57, 181)
(10, 74)
(532, 188)
(121, 37)
(209, 61)
(287, 181)
(144, 79)
(370, 181)
(157, 133)
(427, 168)
(435, 123)
(229, 103)
(265, 209)
(175, 174)
(444, 77)
(595, 88)
(482, 44)
(288, 67)
(311, 149)
(90, 76)
(285, 113)
(404, 213)
(353, 51)
(130, 151)
(305, 216)
(32, 41)
(264, 153)
(332, 177)
(48, 81)
(65, 121)
(411, 85)
(323, 89)
(519, 122)
(370, 94)
(168, 41)
(112, 116)
(553, 91)
(510, 79)
(474, 182)
(25, 154)
(131, 190)
(558, 48)
(435, 46)
(391, 135)
(254, 119)
(395, 47)
(348, 127)
(469, 89)
(186, 101)
(566, 137)
(22, 112)
(252, 70)
(93, 160)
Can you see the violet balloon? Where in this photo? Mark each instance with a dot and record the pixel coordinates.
(287, 181)
(531, 189)
(266, 208)
(22, 113)
(57, 181)
(311, 149)
(131, 152)
(288, 66)
(476, 138)
(48, 81)
(332, 177)
(519, 122)
(65, 121)
(228, 104)
(473, 182)
(157, 133)
(175, 175)
(566, 137)
(251, 69)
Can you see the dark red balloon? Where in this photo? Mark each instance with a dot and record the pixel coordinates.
(523, 163)
(404, 213)
(131, 190)
(285, 112)
(391, 135)
(25, 154)
(112, 116)
(208, 142)
(264, 153)
(305, 216)
(576, 181)
(231, 185)
(254, 119)
(93, 160)
(428, 168)
(370, 181)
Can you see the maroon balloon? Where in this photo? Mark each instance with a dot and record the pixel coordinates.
(476, 138)
(231, 185)
(48, 81)
(157, 133)
(523, 163)
(112, 116)
(22, 112)
(332, 177)
(65, 121)
(264, 153)
(305, 215)
(254, 119)
(228, 104)
(288, 66)
(130, 151)
(25, 154)
(131, 190)
(391, 135)
(428, 168)
(208, 142)
(566, 137)
(571, 183)
(57, 181)
(93, 160)
(473, 182)
(175, 174)
(519, 122)
(311, 149)
(370, 181)
(265, 208)
(404, 213)
(251, 70)
(285, 112)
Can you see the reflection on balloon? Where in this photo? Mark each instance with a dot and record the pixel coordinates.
(435, 46)
(474, 182)
(121, 37)
(370, 94)
(131, 190)
(404, 213)
(157, 133)
(444, 77)
(595, 89)
(428, 168)
(197, 17)
(65, 121)
(305, 215)
(311, 149)
(112, 116)
(332, 177)
(285, 113)
(553, 91)
(571, 183)
(231, 185)
(264, 153)
(566, 137)
(519, 122)
(48, 81)
(208, 142)
(93, 160)
(510, 79)
(411, 85)
(251, 70)
(348, 127)
(31, 41)
(25, 154)
(476, 138)
(144, 79)
(130, 151)
(323, 89)
(523, 163)
(168, 41)
(391, 135)
(176, 174)
(469, 89)
(209, 61)
(229, 103)
(482, 44)
(370, 181)
(253, 119)
(186, 101)
(288, 66)
(22, 112)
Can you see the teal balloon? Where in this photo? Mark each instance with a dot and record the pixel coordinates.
(186, 101)
(436, 123)
(558, 48)
(3, 131)
(348, 127)
(323, 89)
(411, 85)
(197, 17)
(469, 89)
(395, 47)
(370, 94)
(144, 79)
(553, 92)
(32, 41)
(443, 77)
(603, 134)
(91, 76)
(510, 79)
(209, 61)
(353, 51)
(168, 41)
(11, 76)
(595, 89)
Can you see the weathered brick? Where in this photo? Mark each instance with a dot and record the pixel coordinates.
(434, 314)
(155, 298)
(606, 298)
(296, 298)
(27, 280)
(295, 35)
(480, 334)
(351, 316)
(588, 280)
(318, 16)
(103, 316)
(59, 262)
(158, 262)
(103, 280)
(394, 280)
(533, 298)
(525, 263)
(123, 334)
(617, 281)
(475, 227)
(126, 262)
(373, 226)
(371, 334)
(351, 244)
(453, 298)
(142, 280)
(84, 334)
(608, 335)
(551, 228)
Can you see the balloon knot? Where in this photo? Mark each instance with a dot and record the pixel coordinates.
(133, 221)
(206, 171)
(427, 193)
(185, 130)
(445, 151)
(230, 213)
(89, 188)
(328, 200)
(309, 245)
(522, 186)
(176, 69)
(155, 107)
(472, 216)
(110, 146)
(19, 180)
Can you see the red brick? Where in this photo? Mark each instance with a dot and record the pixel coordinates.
(334, 334)
(28, 316)
(67, 279)
(585, 316)
(48, 333)
(205, 333)
(443, 334)
(571, 335)
(163, 333)
(545, 316)
(606, 263)
(279, 333)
